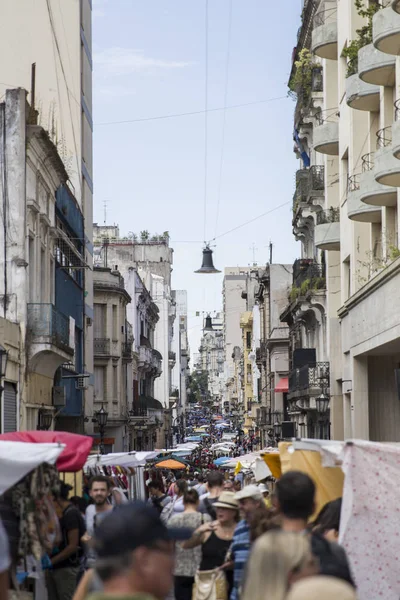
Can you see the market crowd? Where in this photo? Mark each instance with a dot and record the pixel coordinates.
(196, 538)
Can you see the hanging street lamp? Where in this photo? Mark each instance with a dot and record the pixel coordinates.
(207, 264)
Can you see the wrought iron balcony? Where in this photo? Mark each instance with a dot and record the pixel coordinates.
(310, 184)
(101, 346)
(127, 350)
(47, 325)
(306, 269)
(315, 376)
(332, 215)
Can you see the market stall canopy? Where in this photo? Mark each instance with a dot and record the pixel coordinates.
(17, 459)
(119, 459)
(75, 451)
(170, 464)
(220, 461)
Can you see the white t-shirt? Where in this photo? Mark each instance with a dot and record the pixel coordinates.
(5, 560)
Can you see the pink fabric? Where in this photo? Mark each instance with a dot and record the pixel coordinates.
(370, 520)
(74, 455)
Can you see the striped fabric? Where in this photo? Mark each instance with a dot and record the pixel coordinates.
(240, 550)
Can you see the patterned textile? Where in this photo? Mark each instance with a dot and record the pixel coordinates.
(240, 550)
(38, 522)
(187, 561)
(370, 519)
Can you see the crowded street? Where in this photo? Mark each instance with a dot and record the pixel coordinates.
(199, 315)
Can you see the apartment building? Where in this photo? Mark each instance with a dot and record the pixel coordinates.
(234, 284)
(48, 49)
(113, 356)
(211, 359)
(345, 321)
(179, 355)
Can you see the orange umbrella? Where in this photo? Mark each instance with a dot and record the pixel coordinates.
(170, 464)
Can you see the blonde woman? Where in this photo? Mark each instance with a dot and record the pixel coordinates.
(278, 560)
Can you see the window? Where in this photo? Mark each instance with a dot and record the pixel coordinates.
(100, 321)
(347, 278)
(31, 261)
(248, 340)
(114, 322)
(43, 296)
(248, 373)
(99, 384)
(115, 383)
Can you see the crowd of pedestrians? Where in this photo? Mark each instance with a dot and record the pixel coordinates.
(204, 538)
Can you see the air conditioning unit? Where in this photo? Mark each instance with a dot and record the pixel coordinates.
(81, 382)
(59, 395)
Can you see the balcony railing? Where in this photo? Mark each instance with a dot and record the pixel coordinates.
(315, 376)
(384, 137)
(309, 183)
(325, 16)
(353, 182)
(101, 346)
(332, 215)
(46, 324)
(126, 349)
(306, 269)
(367, 162)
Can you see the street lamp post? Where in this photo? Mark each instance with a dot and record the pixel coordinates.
(101, 417)
(45, 419)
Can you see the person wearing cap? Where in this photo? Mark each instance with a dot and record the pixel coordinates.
(250, 499)
(135, 554)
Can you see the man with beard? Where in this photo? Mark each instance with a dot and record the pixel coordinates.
(99, 491)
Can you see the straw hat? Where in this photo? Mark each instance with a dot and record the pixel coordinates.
(227, 500)
(328, 588)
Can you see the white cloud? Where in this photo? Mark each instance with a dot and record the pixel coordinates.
(122, 61)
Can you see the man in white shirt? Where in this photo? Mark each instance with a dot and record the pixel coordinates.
(99, 490)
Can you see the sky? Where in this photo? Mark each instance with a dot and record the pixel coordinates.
(150, 61)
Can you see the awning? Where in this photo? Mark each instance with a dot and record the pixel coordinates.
(283, 385)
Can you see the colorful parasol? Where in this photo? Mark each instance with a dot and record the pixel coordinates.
(170, 464)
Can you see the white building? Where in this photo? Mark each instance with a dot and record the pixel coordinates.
(180, 349)
(56, 38)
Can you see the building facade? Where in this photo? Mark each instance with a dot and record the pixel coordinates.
(353, 215)
(113, 356)
(55, 66)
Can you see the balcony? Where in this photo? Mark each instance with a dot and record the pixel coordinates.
(48, 326)
(375, 66)
(156, 362)
(386, 31)
(127, 351)
(145, 358)
(356, 209)
(325, 35)
(310, 185)
(102, 347)
(171, 359)
(372, 192)
(361, 95)
(396, 130)
(396, 6)
(307, 270)
(48, 338)
(327, 229)
(387, 166)
(326, 133)
(309, 380)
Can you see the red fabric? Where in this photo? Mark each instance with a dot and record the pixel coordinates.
(283, 385)
(74, 455)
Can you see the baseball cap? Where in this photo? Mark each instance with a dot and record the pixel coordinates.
(249, 491)
(130, 526)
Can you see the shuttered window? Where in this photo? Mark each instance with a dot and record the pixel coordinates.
(10, 407)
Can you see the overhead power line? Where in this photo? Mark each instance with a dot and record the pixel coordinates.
(194, 112)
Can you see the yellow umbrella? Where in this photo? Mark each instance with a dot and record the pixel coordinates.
(170, 464)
